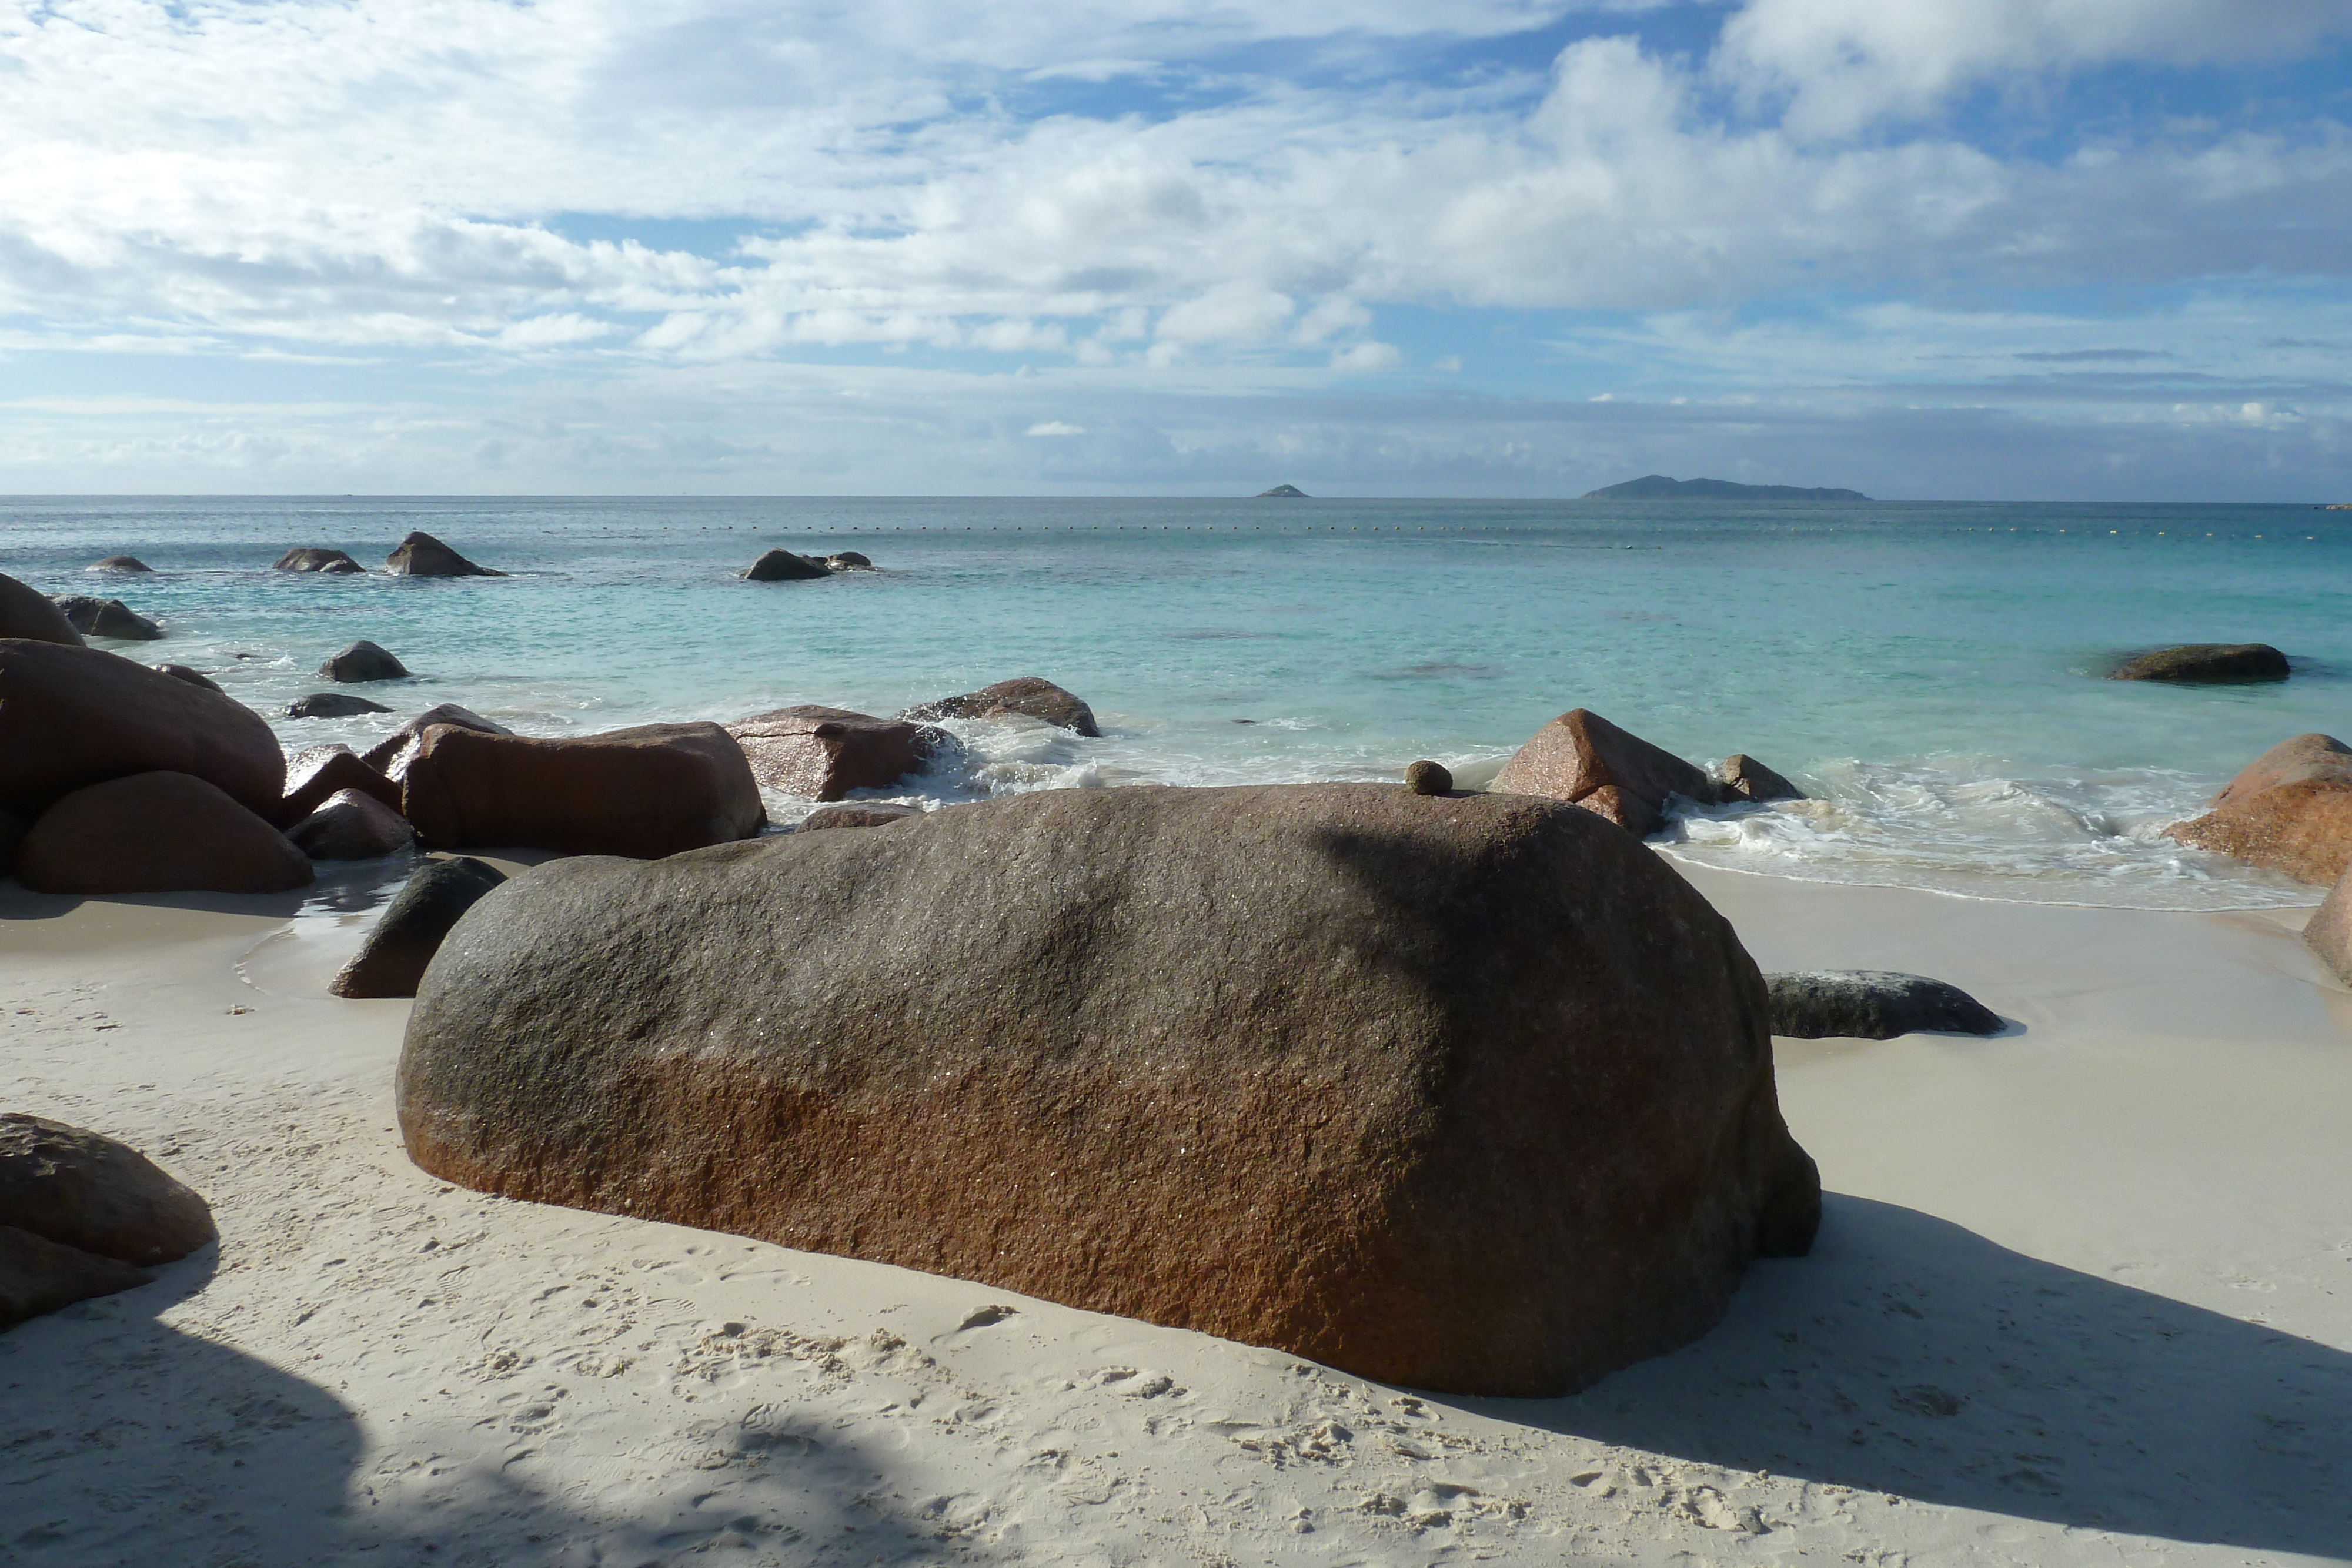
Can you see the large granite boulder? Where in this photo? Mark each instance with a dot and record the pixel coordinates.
(108, 617)
(422, 555)
(363, 661)
(2328, 935)
(393, 958)
(783, 566)
(1872, 1004)
(1740, 776)
(316, 772)
(157, 833)
(129, 564)
(391, 755)
(12, 829)
(823, 753)
(332, 705)
(87, 1191)
(38, 1276)
(26, 611)
(1581, 758)
(351, 825)
(1471, 1094)
(1033, 695)
(648, 791)
(73, 717)
(2290, 811)
(312, 557)
(2206, 664)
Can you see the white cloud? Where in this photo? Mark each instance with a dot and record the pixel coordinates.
(1056, 427)
(1361, 358)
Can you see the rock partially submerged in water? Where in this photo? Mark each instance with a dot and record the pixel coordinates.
(129, 564)
(422, 555)
(314, 557)
(861, 814)
(157, 833)
(72, 716)
(84, 1190)
(391, 755)
(351, 825)
(107, 618)
(848, 561)
(1582, 758)
(363, 661)
(1872, 1004)
(393, 956)
(1740, 776)
(783, 566)
(2290, 811)
(316, 772)
(1033, 696)
(1471, 1094)
(651, 790)
(26, 611)
(823, 753)
(332, 705)
(2206, 664)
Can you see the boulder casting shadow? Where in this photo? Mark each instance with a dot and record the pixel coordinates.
(1910, 1355)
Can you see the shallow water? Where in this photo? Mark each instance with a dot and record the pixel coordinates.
(1927, 671)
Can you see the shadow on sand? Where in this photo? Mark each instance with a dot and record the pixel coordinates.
(1911, 1356)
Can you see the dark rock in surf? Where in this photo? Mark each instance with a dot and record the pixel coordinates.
(1496, 1080)
(26, 611)
(363, 661)
(2290, 811)
(847, 560)
(1283, 493)
(108, 617)
(351, 825)
(1032, 696)
(389, 755)
(823, 753)
(122, 563)
(783, 566)
(312, 557)
(393, 957)
(2206, 664)
(651, 790)
(332, 705)
(74, 717)
(316, 772)
(422, 555)
(85, 1190)
(1872, 1004)
(157, 833)
(862, 814)
(1581, 758)
(193, 676)
(1427, 777)
(1740, 776)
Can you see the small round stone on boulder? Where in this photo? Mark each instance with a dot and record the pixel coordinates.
(1427, 777)
(363, 661)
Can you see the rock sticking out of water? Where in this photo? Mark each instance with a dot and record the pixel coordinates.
(363, 661)
(422, 555)
(1032, 695)
(108, 617)
(783, 566)
(124, 563)
(1740, 776)
(2206, 664)
(2290, 811)
(312, 558)
(331, 705)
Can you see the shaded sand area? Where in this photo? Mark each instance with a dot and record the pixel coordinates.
(2082, 1294)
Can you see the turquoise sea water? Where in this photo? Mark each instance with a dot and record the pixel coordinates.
(1928, 670)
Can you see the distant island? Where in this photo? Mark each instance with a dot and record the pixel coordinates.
(1284, 492)
(1658, 488)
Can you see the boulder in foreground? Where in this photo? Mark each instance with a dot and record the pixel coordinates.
(85, 1190)
(1872, 1004)
(1471, 1094)
(74, 717)
(422, 555)
(2206, 664)
(157, 833)
(37, 1276)
(129, 564)
(652, 790)
(823, 753)
(363, 661)
(26, 611)
(393, 958)
(312, 557)
(108, 617)
(1581, 758)
(12, 834)
(2290, 811)
(783, 566)
(1033, 695)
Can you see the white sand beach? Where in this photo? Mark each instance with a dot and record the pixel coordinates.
(2083, 1295)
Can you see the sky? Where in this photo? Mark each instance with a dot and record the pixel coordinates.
(1990, 250)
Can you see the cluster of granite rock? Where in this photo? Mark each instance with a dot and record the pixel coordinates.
(83, 1215)
(2290, 811)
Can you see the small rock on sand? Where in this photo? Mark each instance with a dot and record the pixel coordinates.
(1872, 1004)
(85, 1190)
(393, 957)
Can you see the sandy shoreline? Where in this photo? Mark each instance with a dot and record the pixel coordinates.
(2083, 1294)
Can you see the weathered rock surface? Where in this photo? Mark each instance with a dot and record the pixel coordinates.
(85, 1190)
(124, 563)
(391, 755)
(363, 661)
(352, 826)
(74, 717)
(157, 833)
(2206, 664)
(1471, 1094)
(823, 753)
(1581, 758)
(393, 958)
(783, 566)
(1033, 695)
(848, 561)
(1740, 776)
(1872, 1004)
(312, 557)
(26, 611)
(2290, 811)
(332, 705)
(316, 772)
(652, 790)
(37, 1276)
(1425, 778)
(189, 674)
(862, 814)
(2329, 934)
(422, 555)
(108, 617)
